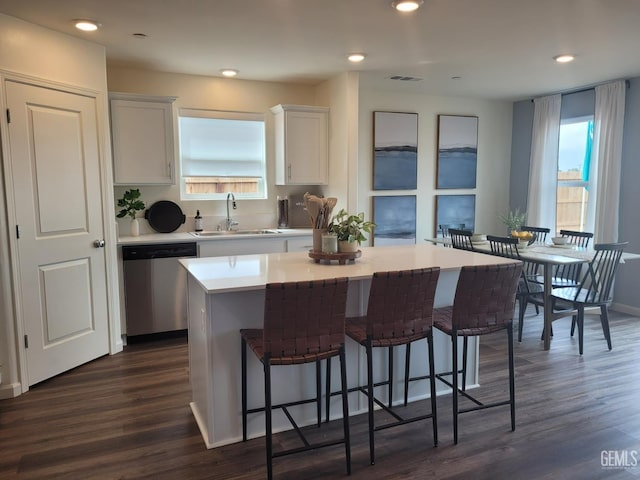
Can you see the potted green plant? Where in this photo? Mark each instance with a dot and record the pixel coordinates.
(350, 230)
(513, 219)
(130, 203)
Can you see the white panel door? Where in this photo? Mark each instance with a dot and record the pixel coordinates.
(54, 158)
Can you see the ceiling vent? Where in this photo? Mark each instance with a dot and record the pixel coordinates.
(405, 78)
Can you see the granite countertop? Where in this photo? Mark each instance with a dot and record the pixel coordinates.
(178, 237)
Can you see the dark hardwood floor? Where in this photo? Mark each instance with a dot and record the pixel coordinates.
(127, 416)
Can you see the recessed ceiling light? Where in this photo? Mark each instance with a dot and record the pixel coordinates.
(356, 57)
(86, 25)
(407, 5)
(564, 58)
(229, 72)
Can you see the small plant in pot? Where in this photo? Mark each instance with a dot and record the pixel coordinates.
(350, 230)
(130, 203)
(513, 220)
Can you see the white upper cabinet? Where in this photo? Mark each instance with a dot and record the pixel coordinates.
(302, 144)
(143, 136)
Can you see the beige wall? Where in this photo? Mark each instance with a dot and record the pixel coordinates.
(216, 94)
(494, 147)
(341, 94)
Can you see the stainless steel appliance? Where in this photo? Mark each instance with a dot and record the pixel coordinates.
(155, 287)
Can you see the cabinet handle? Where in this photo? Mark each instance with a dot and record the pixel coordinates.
(289, 171)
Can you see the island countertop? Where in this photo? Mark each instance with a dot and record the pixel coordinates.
(226, 294)
(250, 272)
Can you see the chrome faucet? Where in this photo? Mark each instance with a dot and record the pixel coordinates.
(229, 222)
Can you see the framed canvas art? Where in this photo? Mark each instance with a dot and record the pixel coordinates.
(457, 151)
(395, 151)
(456, 209)
(395, 219)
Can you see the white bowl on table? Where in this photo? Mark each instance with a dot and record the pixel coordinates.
(560, 240)
(478, 238)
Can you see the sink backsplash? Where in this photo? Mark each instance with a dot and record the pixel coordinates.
(209, 222)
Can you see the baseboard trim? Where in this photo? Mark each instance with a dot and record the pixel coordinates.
(11, 390)
(619, 307)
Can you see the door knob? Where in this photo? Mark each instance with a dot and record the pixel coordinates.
(98, 243)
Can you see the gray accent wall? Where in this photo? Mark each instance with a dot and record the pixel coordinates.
(628, 279)
(577, 104)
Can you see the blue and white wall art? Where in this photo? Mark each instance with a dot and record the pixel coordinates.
(452, 209)
(395, 219)
(457, 151)
(395, 151)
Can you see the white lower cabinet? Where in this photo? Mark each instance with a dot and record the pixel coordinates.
(247, 246)
(243, 246)
(300, 244)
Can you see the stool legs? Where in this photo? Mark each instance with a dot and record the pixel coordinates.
(267, 413)
(432, 385)
(318, 394)
(243, 354)
(328, 390)
(268, 403)
(512, 383)
(454, 359)
(345, 408)
(370, 401)
(407, 357)
(390, 377)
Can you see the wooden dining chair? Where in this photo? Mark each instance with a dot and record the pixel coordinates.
(399, 312)
(445, 227)
(581, 239)
(483, 304)
(529, 292)
(541, 232)
(461, 239)
(303, 322)
(569, 275)
(594, 291)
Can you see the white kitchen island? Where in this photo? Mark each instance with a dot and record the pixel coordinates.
(226, 294)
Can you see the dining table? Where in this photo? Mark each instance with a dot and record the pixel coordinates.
(548, 256)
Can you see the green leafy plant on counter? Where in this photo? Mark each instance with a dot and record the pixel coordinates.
(513, 219)
(130, 203)
(350, 228)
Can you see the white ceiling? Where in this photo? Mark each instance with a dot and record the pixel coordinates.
(500, 49)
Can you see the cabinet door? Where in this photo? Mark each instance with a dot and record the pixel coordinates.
(306, 148)
(143, 142)
(300, 244)
(220, 248)
(302, 145)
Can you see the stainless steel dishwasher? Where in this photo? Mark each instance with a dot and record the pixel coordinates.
(155, 287)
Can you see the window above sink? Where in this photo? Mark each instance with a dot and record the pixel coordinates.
(221, 152)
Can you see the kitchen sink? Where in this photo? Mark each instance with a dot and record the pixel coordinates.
(220, 233)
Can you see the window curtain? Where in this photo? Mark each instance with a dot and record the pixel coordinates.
(541, 200)
(607, 149)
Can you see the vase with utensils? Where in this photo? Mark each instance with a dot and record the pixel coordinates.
(319, 210)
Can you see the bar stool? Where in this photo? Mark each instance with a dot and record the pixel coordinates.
(303, 322)
(399, 313)
(484, 303)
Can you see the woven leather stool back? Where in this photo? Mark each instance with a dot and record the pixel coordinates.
(401, 303)
(485, 298)
(304, 318)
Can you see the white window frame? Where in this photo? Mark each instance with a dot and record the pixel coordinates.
(261, 194)
(582, 183)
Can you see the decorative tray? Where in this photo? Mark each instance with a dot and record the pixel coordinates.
(342, 258)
